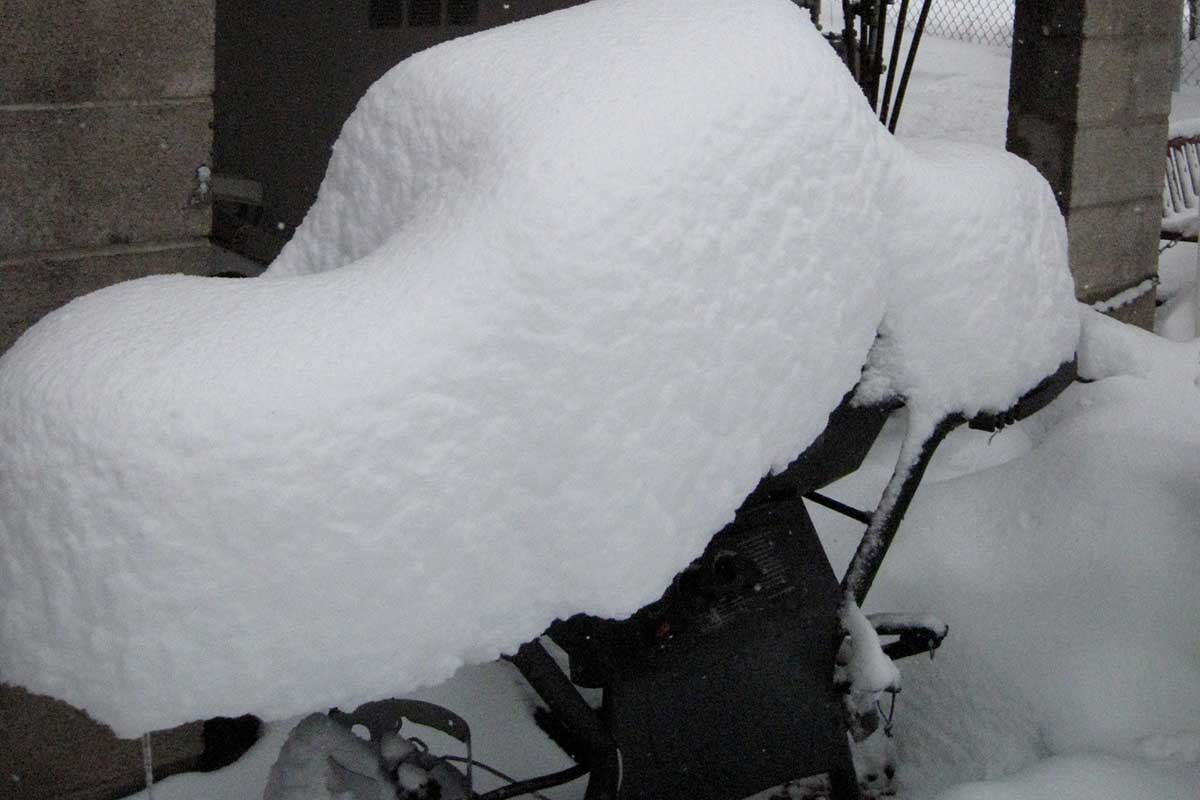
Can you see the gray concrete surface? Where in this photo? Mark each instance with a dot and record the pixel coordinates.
(1089, 97)
(94, 50)
(98, 176)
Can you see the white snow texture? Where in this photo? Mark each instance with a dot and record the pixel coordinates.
(570, 288)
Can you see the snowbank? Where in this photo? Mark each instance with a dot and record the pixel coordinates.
(570, 288)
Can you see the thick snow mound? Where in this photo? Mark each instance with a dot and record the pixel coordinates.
(570, 288)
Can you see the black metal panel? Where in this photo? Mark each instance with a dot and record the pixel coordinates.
(424, 13)
(385, 13)
(723, 687)
(462, 12)
(835, 453)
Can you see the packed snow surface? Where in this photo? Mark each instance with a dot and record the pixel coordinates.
(570, 288)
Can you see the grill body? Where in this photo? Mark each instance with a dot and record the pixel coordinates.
(723, 687)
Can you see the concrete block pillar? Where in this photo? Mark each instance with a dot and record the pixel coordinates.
(105, 113)
(1089, 99)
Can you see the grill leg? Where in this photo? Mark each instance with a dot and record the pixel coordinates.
(564, 701)
(843, 780)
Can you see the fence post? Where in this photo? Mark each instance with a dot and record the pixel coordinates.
(1088, 104)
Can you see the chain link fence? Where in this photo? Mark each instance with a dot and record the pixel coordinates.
(982, 21)
(991, 22)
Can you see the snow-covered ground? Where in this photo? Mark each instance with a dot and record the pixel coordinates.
(1062, 552)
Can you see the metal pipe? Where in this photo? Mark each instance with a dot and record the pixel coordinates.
(576, 715)
(848, 47)
(864, 33)
(877, 50)
(518, 788)
(901, 18)
(840, 507)
(885, 522)
(908, 64)
(148, 765)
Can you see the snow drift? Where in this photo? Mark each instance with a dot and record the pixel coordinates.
(570, 288)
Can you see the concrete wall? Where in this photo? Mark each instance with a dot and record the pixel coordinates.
(51, 751)
(105, 112)
(1089, 99)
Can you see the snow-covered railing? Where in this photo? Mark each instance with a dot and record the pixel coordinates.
(1181, 183)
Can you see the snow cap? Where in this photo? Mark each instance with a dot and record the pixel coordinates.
(570, 288)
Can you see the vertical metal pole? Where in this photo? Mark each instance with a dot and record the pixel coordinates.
(877, 51)
(148, 765)
(543, 674)
(908, 64)
(850, 50)
(864, 33)
(885, 522)
(893, 62)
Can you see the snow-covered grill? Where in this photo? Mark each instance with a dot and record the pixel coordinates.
(541, 304)
(725, 686)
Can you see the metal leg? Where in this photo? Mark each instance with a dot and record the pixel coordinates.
(843, 780)
(575, 714)
(885, 522)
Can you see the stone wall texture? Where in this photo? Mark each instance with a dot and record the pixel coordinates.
(1098, 130)
(31, 289)
(105, 118)
(71, 757)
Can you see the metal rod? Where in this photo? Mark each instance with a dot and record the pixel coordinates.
(877, 48)
(901, 18)
(908, 64)
(848, 48)
(840, 507)
(576, 715)
(148, 765)
(885, 522)
(864, 33)
(518, 788)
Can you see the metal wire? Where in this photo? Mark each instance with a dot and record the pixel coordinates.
(148, 765)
